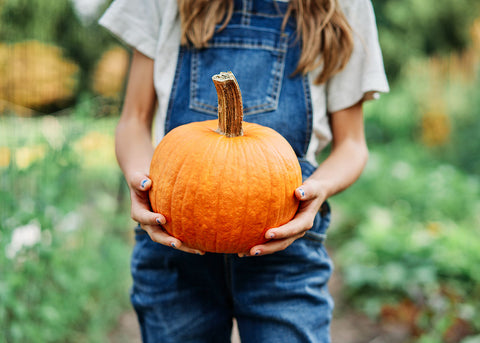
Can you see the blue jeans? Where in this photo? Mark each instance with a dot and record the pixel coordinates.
(283, 297)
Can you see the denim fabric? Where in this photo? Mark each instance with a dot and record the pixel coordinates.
(263, 59)
(281, 297)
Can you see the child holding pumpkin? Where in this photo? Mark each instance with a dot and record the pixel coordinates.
(305, 68)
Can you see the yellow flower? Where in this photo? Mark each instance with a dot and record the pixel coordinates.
(25, 156)
(475, 35)
(96, 149)
(434, 228)
(435, 128)
(110, 73)
(5, 155)
(34, 74)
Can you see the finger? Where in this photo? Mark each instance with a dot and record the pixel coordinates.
(141, 210)
(274, 246)
(301, 223)
(145, 184)
(141, 213)
(140, 182)
(300, 193)
(308, 191)
(159, 235)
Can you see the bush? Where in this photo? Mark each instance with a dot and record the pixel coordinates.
(408, 236)
(421, 28)
(64, 267)
(407, 232)
(35, 75)
(56, 23)
(435, 105)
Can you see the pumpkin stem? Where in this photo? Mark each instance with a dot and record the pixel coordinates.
(230, 106)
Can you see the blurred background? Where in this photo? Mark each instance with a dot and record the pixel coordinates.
(405, 238)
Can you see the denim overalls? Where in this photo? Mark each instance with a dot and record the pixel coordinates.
(282, 297)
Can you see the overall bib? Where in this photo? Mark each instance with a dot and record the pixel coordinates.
(282, 297)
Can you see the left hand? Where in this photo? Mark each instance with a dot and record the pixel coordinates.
(311, 196)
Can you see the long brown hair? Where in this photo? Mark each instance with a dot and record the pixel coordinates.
(327, 38)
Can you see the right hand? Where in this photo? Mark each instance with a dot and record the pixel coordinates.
(149, 221)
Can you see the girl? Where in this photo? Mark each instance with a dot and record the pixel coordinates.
(305, 67)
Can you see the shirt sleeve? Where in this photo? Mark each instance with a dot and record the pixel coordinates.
(364, 75)
(137, 23)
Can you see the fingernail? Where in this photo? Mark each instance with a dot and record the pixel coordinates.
(160, 221)
(144, 182)
(271, 235)
(302, 192)
(173, 245)
(256, 253)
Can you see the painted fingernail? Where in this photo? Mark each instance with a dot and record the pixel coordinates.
(256, 253)
(302, 192)
(158, 221)
(271, 235)
(173, 245)
(144, 182)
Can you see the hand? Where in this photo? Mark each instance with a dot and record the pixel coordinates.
(311, 197)
(149, 221)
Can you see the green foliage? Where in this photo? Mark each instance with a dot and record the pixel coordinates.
(410, 229)
(463, 148)
(398, 117)
(64, 269)
(418, 28)
(394, 118)
(26, 19)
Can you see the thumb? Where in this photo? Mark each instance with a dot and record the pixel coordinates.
(305, 192)
(141, 182)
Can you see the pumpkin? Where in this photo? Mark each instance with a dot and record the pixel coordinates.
(221, 184)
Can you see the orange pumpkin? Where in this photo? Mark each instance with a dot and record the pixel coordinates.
(222, 184)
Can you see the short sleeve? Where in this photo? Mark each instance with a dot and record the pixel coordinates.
(137, 23)
(364, 75)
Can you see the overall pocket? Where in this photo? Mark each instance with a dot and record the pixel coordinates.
(257, 58)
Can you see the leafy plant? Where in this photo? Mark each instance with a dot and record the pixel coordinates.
(64, 269)
(409, 229)
(422, 28)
